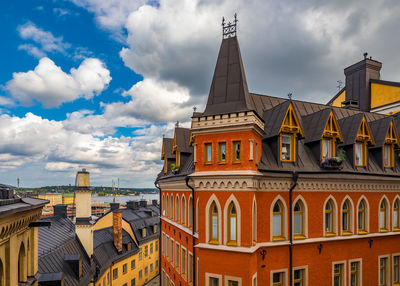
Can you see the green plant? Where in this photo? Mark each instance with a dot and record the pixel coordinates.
(174, 167)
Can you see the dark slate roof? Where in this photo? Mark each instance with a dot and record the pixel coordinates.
(379, 129)
(141, 218)
(314, 125)
(274, 118)
(104, 251)
(182, 140)
(167, 143)
(228, 92)
(54, 243)
(15, 205)
(186, 168)
(349, 127)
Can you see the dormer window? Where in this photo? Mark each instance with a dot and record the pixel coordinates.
(289, 130)
(330, 135)
(144, 232)
(388, 147)
(360, 145)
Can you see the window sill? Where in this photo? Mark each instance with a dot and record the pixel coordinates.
(231, 243)
(254, 243)
(207, 163)
(288, 161)
(236, 162)
(347, 233)
(222, 163)
(329, 234)
(213, 242)
(383, 230)
(396, 229)
(362, 232)
(299, 236)
(278, 238)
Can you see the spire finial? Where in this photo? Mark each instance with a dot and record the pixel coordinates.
(177, 124)
(229, 29)
(194, 108)
(290, 95)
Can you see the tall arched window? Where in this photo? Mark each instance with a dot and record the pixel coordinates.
(171, 209)
(383, 217)
(167, 208)
(183, 211)
(22, 264)
(346, 217)
(213, 223)
(396, 215)
(254, 228)
(329, 218)
(163, 205)
(298, 220)
(177, 209)
(190, 219)
(278, 221)
(362, 217)
(232, 224)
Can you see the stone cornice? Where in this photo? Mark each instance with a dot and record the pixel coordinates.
(227, 122)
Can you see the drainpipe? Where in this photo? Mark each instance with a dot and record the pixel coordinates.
(295, 176)
(193, 231)
(160, 240)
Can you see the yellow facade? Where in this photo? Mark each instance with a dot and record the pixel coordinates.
(337, 102)
(54, 199)
(146, 262)
(382, 94)
(68, 199)
(18, 247)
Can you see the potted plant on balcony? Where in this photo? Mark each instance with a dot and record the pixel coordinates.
(174, 168)
(334, 162)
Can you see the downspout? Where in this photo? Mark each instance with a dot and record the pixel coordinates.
(295, 176)
(193, 231)
(160, 240)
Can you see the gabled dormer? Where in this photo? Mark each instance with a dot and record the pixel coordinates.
(181, 146)
(386, 140)
(322, 134)
(283, 129)
(357, 137)
(166, 153)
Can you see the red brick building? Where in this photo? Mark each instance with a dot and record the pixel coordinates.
(271, 191)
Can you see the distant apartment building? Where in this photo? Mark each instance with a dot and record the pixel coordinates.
(264, 190)
(119, 248)
(18, 238)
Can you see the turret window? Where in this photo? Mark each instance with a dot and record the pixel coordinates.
(222, 152)
(213, 223)
(236, 151)
(289, 130)
(208, 153)
(232, 224)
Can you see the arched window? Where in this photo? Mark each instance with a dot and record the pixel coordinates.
(167, 209)
(183, 211)
(346, 217)
(213, 223)
(298, 220)
(329, 218)
(190, 219)
(177, 209)
(362, 217)
(383, 217)
(171, 209)
(232, 224)
(254, 228)
(396, 214)
(278, 221)
(163, 205)
(22, 264)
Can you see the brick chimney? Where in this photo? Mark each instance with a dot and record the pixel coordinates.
(60, 210)
(358, 76)
(117, 230)
(114, 206)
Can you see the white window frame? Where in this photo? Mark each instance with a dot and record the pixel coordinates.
(285, 276)
(334, 215)
(366, 213)
(252, 279)
(344, 271)
(305, 268)
(213, 275)
(361, 272)
(388, 268)
(392, 269)
(232, 278)
(284, 218)
(233, 199)
(184, 274)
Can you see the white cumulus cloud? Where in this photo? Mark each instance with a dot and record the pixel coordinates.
(51, 86)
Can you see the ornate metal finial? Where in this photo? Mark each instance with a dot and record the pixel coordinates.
(365, 55)
(177, 124)
(163, 136)
(194, 108)
(229, 29)
(339, 86)
(290, 95)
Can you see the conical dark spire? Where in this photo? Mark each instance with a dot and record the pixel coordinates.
(228, 92)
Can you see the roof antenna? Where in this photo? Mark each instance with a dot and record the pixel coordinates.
(339, 86)
(290, 95)
(194, 108)
(365, 56)
(177, 124)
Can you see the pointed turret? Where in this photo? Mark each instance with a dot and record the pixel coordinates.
(228, 92)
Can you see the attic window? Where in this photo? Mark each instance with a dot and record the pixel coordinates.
(360, 146)
(330, 135)
(178, 159)
(155, 228)
(289, 130)
(144, 233)
(165, 165)
(388, 148)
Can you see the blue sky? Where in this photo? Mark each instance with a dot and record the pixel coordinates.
(96, 83)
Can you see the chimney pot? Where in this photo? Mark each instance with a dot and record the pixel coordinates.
(143, 203)
(114, 206)
(154, 202)
(117, 230)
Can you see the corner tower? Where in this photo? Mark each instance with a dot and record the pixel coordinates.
(83, 204)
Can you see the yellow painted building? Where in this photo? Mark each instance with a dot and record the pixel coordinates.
(18, 238)
(364, 90)
(68, 198)
(53, 198)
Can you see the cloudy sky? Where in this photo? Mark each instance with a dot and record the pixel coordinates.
(96, 83)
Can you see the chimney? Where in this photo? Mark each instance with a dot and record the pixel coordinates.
(75, 262)
(60, 210)
(130, 205)
(117, 230)
(82, 179)
(358, 76)
(114, 206)
(154, 202)
(143, 203)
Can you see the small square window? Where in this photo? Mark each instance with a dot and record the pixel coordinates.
(208, 153)
(236, 151)
(222, 152)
